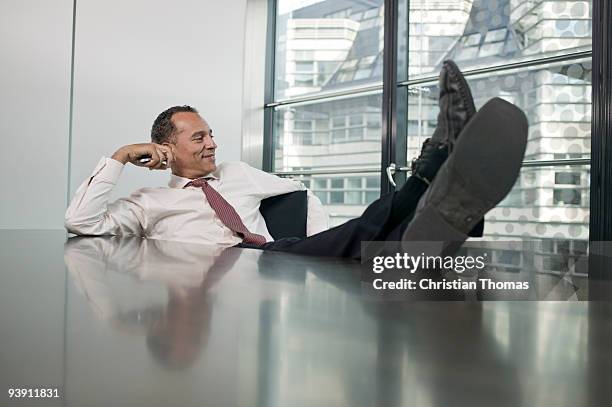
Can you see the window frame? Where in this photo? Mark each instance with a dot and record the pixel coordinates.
(396, 86)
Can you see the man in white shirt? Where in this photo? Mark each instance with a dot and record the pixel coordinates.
(178, 213)
(482, 166)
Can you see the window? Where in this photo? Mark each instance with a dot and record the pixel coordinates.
(372, 182)
(322, 47)
(509, 257)
(547, 201)
(337, 183)
(567, 178)
(567, 197)
(357, 191)
(556, 263)
(471, 40)
(303, 125)
(496, 35)
(328, 70)
(326, 39)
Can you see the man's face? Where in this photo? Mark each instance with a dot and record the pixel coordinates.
(194, 147)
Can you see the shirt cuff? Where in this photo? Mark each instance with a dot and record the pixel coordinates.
(107, 170)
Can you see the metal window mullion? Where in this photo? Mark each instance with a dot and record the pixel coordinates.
(505, 67)
(389, 97)
(600, 225)
(328, 96)
(268, 139)
(526, 164)
(556, 163)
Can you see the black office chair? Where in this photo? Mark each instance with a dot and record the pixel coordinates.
(286, 214)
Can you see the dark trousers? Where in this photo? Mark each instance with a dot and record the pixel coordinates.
(378, 222)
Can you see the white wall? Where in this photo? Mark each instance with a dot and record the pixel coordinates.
(35, 38)
(133, 59)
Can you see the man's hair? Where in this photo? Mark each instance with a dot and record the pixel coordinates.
(163, 128)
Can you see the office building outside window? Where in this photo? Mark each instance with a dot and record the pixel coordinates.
(327, 107)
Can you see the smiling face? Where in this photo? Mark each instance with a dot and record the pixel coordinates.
(192, 145)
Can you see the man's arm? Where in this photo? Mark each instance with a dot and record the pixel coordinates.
(90, 212)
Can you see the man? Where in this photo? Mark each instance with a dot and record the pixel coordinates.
(478, 156)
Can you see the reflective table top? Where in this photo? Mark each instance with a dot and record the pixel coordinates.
(135, 322)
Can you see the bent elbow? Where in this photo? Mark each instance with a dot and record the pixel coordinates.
(79, 227)
(74, 227)
(69, 223)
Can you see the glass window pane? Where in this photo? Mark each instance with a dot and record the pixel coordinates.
(320, 183)
(336, 197)
(355, 133)
(567, 197)
(342, 195)
(303, 125)
(338, 136)
(337, 142)
(491, 49)
(374, 120)
(472, 40)
(373, 182)
(363, 73)
(509, 257)
(335, 146)
(567, 178)
(352, 198)
(491, 32)
(354, 183)
(496, 35)
(338, 46)
(556, 100)
(338, 121)
(556, 213)
(337, 183)
(322, 196)
(304, 66)
(355, 120)
(371, 197)
(557, 263)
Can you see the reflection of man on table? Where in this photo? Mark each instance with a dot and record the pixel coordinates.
(468, 166)
(176, 331)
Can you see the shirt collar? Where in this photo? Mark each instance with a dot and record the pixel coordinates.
(180, 182)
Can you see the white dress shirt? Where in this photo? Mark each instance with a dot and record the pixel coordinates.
(182, 214)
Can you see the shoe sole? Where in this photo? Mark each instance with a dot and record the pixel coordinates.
(481, 170)
(490, 156)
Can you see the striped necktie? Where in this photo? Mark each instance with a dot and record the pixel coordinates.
(227, 213)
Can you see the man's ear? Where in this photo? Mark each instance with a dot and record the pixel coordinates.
(168, 144)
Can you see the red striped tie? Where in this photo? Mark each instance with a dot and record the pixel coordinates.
(227, 213)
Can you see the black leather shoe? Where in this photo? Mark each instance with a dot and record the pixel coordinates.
(456, 105)
(477, 175)
(426, 166)
(456, 109)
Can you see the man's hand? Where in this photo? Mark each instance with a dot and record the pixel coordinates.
(158, 153)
